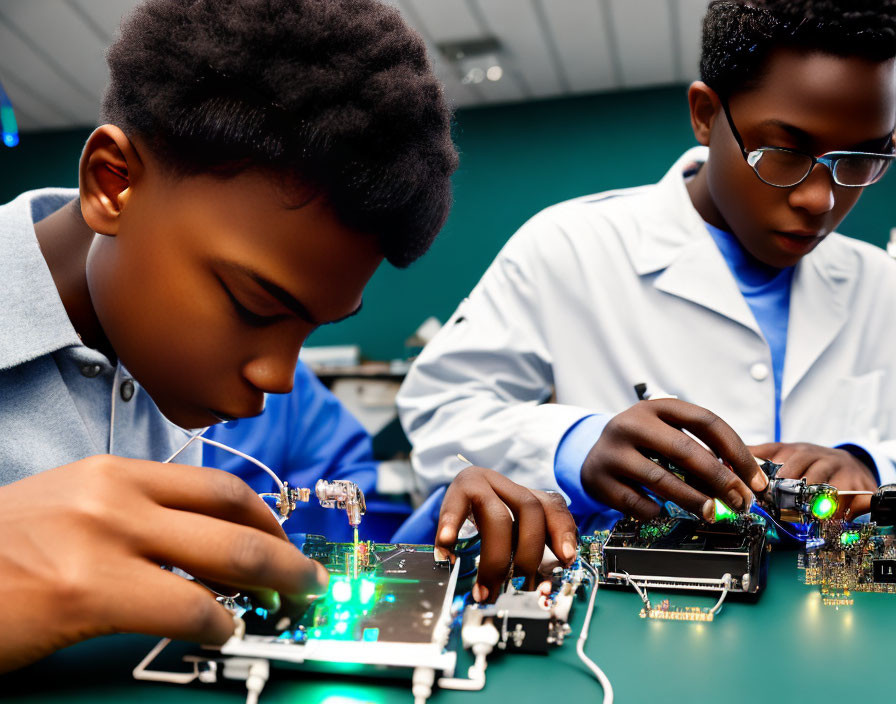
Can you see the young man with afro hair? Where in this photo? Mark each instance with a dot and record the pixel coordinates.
(724, 286)
(257, 161)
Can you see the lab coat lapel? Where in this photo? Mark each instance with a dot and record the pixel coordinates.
(700, 274)
(677, 245)
(818, 310)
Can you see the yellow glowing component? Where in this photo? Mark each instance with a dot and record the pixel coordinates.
(723, 513)
(685, 614)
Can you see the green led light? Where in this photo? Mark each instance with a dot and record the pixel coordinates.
(823, 506)
(341, 590)
(723, 513)
(340, 627)
(850, 537)
(368, 587)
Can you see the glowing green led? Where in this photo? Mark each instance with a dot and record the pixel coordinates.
(823, 506)
(341, 590)
(340, 627)
(723, 513)
(850, 537)
(368, 587)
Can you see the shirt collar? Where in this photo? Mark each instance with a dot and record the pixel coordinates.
(33, 320)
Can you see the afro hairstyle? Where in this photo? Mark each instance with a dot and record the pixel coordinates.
(740, 35)
(335, 95)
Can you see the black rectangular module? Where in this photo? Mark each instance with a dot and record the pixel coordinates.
(883, 571)
(682, 553)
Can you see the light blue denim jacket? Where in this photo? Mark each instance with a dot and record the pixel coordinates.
(57, 396)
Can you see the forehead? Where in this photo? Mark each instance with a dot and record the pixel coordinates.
(837, 100)
(290, 238)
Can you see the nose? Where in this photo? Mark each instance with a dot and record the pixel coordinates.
(273, 368)
(816, 194)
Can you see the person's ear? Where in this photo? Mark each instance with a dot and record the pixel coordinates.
(705, 106)
(110, 165)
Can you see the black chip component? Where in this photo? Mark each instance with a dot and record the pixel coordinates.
(883, 571)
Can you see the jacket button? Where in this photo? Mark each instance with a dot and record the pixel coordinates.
(127, 389)
(759, 371)
(91, 370)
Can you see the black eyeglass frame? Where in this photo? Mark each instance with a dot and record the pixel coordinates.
(829, 159)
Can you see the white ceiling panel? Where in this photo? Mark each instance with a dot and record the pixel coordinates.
(457, 93)
(645, 48)
(690, 29)
(579, 33)
(30, 69)
(30, 110)
(105, 14)
(69, 45)
(445, 20)
(51, 51)
(517, 25)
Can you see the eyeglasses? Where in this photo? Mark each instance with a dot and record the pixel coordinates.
(786, 168)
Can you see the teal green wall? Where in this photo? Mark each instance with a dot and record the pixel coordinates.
(515, 160)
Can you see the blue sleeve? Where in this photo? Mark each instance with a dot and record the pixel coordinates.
(572, 450)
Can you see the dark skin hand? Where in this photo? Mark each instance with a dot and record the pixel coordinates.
(616, 467)
(823, 465)
(82, 545)
(542, 519)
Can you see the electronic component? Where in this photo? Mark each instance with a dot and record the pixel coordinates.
(684, 553)
(532, 621)
(842, 558)
(795, 500)
(883, 505)
(342, 494)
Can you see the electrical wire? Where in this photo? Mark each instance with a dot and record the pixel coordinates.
(726, 581)
(758, 510)
(583, 636)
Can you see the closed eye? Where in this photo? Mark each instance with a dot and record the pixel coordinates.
(250, 317)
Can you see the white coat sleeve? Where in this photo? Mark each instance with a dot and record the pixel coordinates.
(482, 387)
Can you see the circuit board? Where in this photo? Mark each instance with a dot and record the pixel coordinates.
(850, 557)
(385, 605)
(684, 553)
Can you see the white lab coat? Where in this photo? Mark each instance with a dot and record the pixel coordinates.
(596, 294)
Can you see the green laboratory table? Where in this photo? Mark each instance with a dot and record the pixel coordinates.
(787, 647)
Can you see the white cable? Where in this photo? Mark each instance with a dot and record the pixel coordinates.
(248, 458)
(726, 580)
(643, 595)
(258, 463)
(856, 493)
(259, 671)
(141, 673)
(583, 636)
(185, 445)
(421, 684)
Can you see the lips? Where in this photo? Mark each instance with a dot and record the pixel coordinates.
(800, 234)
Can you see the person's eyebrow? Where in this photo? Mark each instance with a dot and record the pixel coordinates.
(285, 297)
(799, 135)
(803, 137)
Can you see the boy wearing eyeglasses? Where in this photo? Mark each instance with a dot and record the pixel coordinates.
(758, 329)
